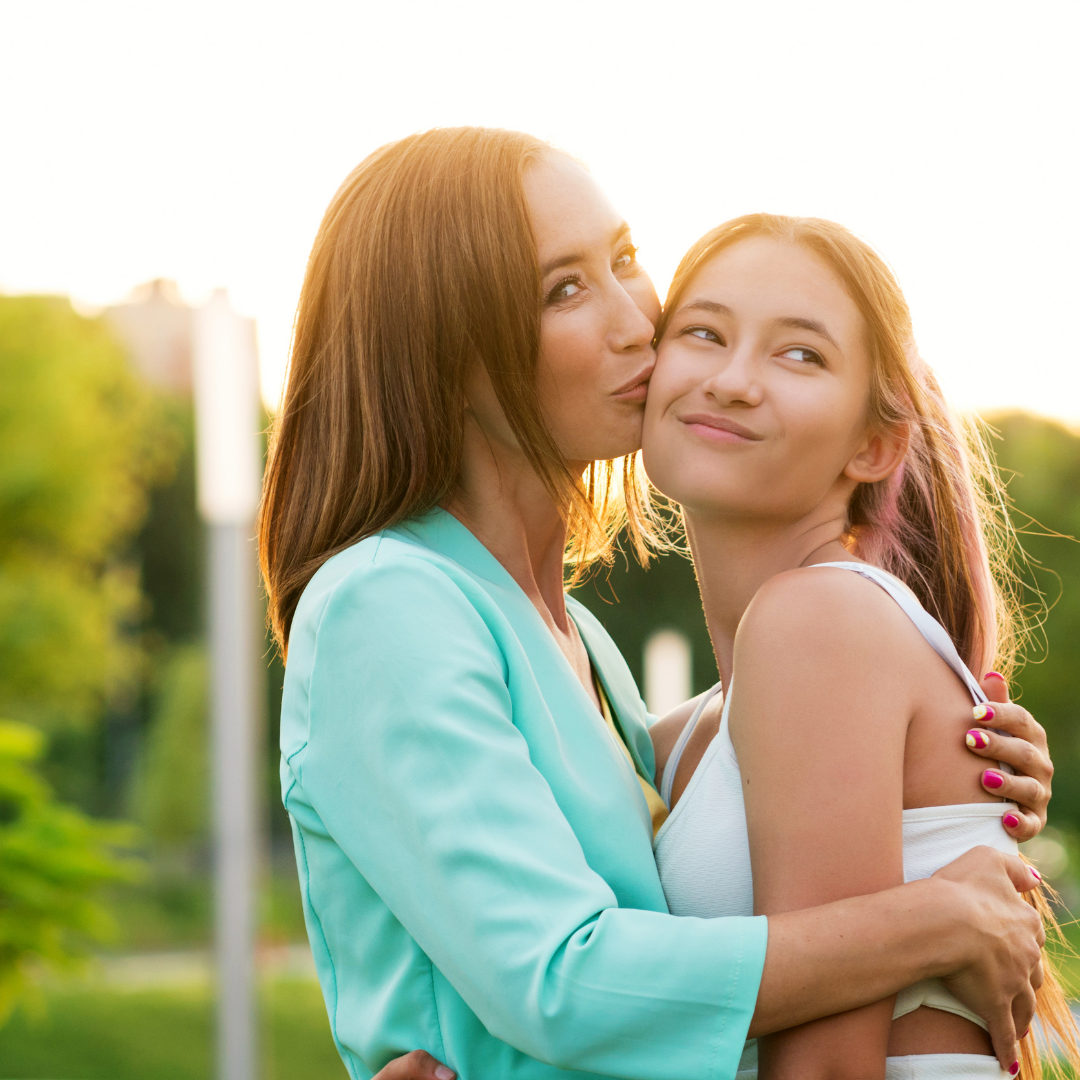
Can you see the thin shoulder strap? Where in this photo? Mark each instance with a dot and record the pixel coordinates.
(667, 781)
(936, 634)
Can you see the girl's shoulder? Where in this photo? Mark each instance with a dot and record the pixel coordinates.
(825, 615)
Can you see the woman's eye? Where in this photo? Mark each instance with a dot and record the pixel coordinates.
(627, 257)
(804, 355)
(564, 290)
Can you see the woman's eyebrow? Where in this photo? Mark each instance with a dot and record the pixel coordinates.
(796, 322)
(576, 256)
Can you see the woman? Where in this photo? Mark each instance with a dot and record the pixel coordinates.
(474, 837)
(811, 453)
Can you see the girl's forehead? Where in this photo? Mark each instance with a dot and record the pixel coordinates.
(767, 277)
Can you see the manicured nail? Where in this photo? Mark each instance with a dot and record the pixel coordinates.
(992, 779)
(994, 675)
(1010, 821)
(977, 740)
(985, 713)
(1014, 1068)
(1026, 1034)
(1035, 873)
(443, 1073)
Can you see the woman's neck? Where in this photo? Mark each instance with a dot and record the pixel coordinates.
(734, 558)
(503, 503)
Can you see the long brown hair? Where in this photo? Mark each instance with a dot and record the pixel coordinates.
(939, 523)
(424, 262)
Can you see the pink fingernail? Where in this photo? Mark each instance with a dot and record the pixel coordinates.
(1011, 821)
(1037, 875)
(977, 740)
(992, 779)
(983, 713)
(443, 1073)
(1014, 1068)
(994, 675)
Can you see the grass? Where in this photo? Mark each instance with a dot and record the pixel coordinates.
(101, 1033)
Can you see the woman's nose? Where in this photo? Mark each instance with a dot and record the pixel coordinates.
(631, 329)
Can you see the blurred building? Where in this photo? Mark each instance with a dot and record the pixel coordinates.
(156, 325)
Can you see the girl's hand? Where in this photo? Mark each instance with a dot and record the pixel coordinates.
(1026, 752)
(418, 1065)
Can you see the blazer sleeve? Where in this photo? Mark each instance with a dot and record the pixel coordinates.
(417, 771)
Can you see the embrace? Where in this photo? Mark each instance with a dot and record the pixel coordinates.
(508, 867)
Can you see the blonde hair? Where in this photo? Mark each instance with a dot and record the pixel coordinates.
(940, 521)
(425, 261)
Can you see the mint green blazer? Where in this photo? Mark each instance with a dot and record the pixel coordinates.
(475, 853)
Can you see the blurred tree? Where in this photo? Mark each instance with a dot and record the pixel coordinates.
(80, 440)
(171, 787)
(1040, 460)
(632, 603)
(53, 860)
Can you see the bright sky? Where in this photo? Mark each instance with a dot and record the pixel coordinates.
(202, 142)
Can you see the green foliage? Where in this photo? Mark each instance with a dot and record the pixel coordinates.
(80, 439)
(53, 862)
(1040, 460)
(171, 787)
(109, 1032)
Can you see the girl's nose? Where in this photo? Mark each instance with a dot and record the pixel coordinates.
(736, 382)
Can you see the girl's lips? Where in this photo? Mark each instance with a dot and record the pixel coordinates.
(719, 429)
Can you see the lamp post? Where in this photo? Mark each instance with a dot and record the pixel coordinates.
(225, 370)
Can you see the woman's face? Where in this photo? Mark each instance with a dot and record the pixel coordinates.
(599, 315)
(758, 405)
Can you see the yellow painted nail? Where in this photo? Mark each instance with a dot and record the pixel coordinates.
(983, 712)
(970, 740)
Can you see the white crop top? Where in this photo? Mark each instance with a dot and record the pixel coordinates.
(703, 853)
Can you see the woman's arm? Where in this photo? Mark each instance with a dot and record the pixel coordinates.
(812, 697)
(414, 765)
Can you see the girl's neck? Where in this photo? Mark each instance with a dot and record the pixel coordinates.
(734, 558)
(503, 503)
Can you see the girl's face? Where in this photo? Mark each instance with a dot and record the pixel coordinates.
(758, 405)
(599, 314)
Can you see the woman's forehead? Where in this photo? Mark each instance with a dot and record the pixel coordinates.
(566, 205)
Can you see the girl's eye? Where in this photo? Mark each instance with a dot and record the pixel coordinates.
(564, 290)
(627, 257)
(704, 333)
(803, 355)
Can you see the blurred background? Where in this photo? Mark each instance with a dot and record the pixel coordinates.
(154, 152)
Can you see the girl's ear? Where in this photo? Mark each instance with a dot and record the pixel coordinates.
(879, 456)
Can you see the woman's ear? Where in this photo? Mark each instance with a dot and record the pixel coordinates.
(879, 455)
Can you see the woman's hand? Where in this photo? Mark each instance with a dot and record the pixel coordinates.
(1025, 752)
(418, 1065)
(1001, 963)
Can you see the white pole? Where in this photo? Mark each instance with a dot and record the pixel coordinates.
(667, 671)
(226, 407)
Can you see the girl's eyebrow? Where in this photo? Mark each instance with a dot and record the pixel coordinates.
(796, 322)
(710, 306)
